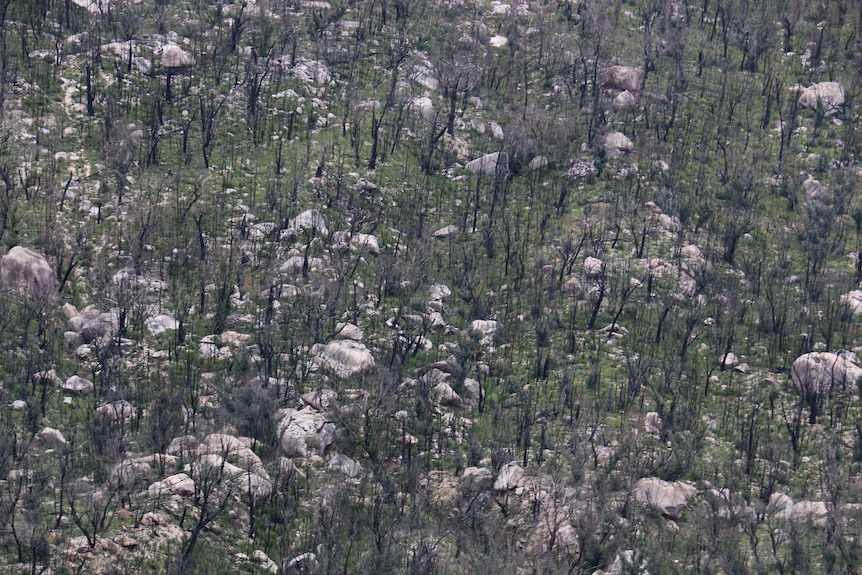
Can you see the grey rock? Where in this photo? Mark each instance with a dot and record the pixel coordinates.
(621, 77)
(78, 386)
(303, 431)
(490, 164)
(344, 357)
(669, 498)
(830, 94)
(27, 273)
(509, 476)
(53, 438)
(345, 465)
(821, 372)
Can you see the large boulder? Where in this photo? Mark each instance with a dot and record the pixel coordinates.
(668, 498)
(509, 476)
(252, 489)
(344, 357)
(345, 465)
(618, 142)
(490, 164)
(77, 385)
(830, 94)
(27, 273)
(621, 77)
(175, 59)
(53, 438)
(624, 102)
(302, 431)
(824, 372)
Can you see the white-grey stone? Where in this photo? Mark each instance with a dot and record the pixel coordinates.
(446, 232)
(538, 163)
(53, 438)
(830, 94)
(161, 323)
(669, 498)
(822, 372)
(175, 58)
(594, 267)
(345, 465)
(344, 357)
(624, 101)
(619, 142)
(27, 273)
(509, 476)
(252, 489)
(309, 220)
(490, 164)
(621, 77)
(79, 386)
(304, 430)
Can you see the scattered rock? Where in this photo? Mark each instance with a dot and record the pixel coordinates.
(853, 299)
(487, 328)
(160, 324)
(594, 267)
(447, 395)
(476, 480)
(179, 484)
(252, 489)
(538, 163)
(310, 221)
(116, 410)
(446, 232)
(301, 564)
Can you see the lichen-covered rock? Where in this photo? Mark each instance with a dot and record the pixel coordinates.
(27, 273)
(116, 410)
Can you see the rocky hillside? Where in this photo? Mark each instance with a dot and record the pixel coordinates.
(378, 286)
